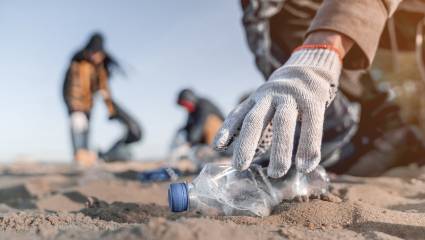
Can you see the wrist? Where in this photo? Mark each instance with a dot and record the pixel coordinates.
(313, 47)
(336, 41)
(320, 57)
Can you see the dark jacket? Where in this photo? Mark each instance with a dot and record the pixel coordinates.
(196, 122)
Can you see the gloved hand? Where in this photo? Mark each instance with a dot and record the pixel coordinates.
(301, 89)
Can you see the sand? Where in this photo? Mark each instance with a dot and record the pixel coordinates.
(58, 201)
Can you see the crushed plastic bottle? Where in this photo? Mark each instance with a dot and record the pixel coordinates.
(222, 190)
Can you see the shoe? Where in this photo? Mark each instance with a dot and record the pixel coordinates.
(85, 158)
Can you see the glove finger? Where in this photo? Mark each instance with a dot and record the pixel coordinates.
(264, 144)
(253, 124)
(231, 124)
(284, 123)
(308, 152)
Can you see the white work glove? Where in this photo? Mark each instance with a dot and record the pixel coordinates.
(299, 90)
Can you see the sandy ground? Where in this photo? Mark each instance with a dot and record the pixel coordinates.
(47, 201)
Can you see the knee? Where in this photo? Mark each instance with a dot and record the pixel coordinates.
(79, 122)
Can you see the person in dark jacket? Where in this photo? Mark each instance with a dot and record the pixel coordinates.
(204, 118)
(88, 74)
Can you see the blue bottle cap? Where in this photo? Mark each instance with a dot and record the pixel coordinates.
(178, 197)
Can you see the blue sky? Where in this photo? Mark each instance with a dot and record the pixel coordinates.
(163, 45)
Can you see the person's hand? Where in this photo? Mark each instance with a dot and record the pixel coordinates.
(301, 89)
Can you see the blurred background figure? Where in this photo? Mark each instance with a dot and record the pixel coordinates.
(194, 139)
(191, 147)
(88, 74)
(204, 118)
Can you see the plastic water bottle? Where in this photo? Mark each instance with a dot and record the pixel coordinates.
(222, 190)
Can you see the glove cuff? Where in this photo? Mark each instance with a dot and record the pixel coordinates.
(319, 46)
(314, 66)
(321, 58)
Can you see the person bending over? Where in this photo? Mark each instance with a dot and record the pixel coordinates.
(204, 118)
(88, 74)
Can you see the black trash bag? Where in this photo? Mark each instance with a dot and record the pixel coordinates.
(120, 150)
